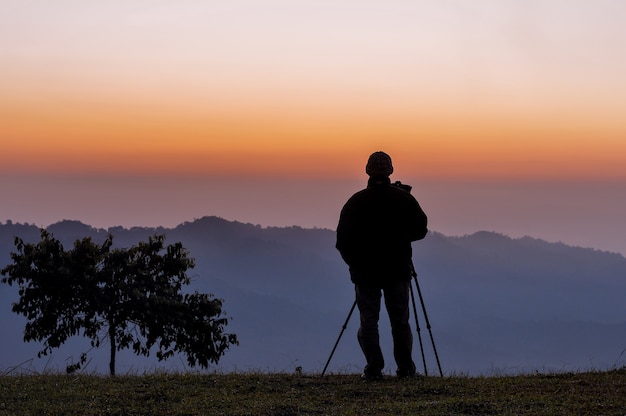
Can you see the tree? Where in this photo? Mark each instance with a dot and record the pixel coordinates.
(132, 297)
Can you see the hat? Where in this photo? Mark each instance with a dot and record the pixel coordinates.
(379, 164)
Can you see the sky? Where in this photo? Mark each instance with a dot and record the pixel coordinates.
(504, 115)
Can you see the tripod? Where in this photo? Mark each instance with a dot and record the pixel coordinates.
(419, 333)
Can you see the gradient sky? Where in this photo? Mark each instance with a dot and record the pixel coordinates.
(505, 115)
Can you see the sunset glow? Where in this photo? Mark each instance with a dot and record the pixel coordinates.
(73, 133)
(173, 88)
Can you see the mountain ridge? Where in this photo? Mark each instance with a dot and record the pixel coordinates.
(490, 298)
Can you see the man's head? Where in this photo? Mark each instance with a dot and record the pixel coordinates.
(379, 165)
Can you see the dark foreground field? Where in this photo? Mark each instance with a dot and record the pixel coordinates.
(591, 393)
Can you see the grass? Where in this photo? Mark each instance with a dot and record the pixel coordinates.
(588, 393)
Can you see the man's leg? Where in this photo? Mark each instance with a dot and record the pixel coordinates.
(397, 304)
(368, 300)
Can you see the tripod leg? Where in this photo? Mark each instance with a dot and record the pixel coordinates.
(419, 292)
(419, 331)
(343, 328)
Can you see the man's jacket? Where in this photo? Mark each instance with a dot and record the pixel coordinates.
(375, 231)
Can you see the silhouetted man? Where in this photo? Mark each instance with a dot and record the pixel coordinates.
(374, 235)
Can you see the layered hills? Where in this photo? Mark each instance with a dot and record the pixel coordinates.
(495, 304)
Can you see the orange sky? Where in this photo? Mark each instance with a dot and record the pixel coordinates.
(62, 131)
(518, 90)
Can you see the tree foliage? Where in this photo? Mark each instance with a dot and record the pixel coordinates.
(133, 297)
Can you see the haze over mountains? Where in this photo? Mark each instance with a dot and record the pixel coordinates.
(496, 304)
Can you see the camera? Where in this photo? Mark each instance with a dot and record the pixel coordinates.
(403, 186)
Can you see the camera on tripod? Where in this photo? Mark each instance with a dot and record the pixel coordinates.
(403, 186)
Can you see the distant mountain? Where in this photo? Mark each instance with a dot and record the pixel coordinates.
(496, 304)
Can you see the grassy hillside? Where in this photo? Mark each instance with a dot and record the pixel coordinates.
(596, 393)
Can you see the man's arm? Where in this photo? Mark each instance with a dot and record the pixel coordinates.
(419, 225)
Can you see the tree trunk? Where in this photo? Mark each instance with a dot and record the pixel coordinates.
(113, 348)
